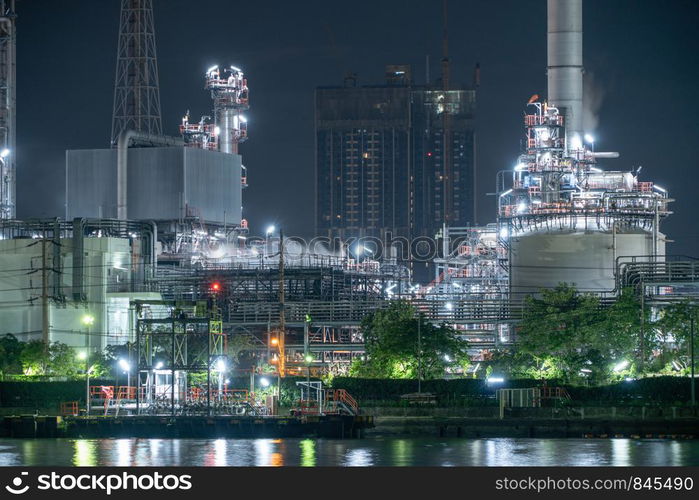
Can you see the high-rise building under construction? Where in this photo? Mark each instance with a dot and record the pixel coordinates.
(394, 159)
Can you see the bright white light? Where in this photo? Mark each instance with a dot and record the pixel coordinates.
(449, 306)
(585, 370)
(520, 167)
(620, 366)
(576, 143)
(447, 358)
(217, 131)
(662, 190)
(597, 170)
(589, 138)
(264, 382)
(495, 380)
(227, 381)
(522, 207)
(212, 69)
(236, 69)
(217, 253)
(505, 193)
(4, 153)
(358, 249)
(504, 233)
(82, 355)
(220, 365)
(124, 365)
(159, 365)
(270, 230)
(243, 119)
(629, 379)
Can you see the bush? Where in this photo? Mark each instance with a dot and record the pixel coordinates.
(467, 392)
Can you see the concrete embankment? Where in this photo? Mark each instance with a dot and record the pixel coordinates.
(536, 422)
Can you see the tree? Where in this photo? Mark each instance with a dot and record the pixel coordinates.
(10, 352)
(393, 349)
(672, 328)
(63, 361)
(34, 357)
(565, 334)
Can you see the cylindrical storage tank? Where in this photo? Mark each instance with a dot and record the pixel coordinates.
(583, 259)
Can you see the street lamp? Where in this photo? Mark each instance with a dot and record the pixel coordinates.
(124, 365)
(83, 355)
(220, 368)
(268, 232)
(88, 320)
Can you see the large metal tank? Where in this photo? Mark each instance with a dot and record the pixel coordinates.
(584, 259)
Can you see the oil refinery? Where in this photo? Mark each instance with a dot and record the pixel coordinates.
(153, 248)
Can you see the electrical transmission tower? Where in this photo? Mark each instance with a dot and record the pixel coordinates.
(136, 91)
(7, 109)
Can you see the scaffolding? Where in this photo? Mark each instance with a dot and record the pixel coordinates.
(472, 276)
(182, 362)
(557, 185)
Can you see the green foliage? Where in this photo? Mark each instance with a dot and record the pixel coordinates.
(398, 341)
(10, 350)
(566, 334)
(476, 392)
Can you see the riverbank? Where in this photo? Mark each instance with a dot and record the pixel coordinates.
(393, 426)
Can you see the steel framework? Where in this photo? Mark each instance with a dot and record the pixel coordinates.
(136, 89)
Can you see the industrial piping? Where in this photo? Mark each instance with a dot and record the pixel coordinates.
(127, 139)
(565, 63)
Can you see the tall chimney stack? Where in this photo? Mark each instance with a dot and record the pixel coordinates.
(565, 62)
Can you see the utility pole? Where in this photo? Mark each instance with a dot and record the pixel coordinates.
(419, 356)
(44, 295)
(642, 333)
(691, 356)
(281, 365)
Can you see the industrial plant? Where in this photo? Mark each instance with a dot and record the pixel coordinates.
(153, 249)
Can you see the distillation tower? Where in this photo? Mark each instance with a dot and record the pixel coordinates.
(7, 109)
(561, 217)
(229, 92)
(564, 219)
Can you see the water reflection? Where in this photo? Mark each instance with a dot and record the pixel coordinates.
(85, 454)
(361, 453)
(308, 453)
(361, 457)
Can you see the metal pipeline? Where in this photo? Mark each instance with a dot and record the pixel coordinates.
(605, 154)
(127, 139)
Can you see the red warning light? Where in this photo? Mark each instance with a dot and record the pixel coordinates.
(429, 153)
(216, 286)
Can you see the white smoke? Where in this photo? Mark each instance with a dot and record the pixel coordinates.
(593, 96)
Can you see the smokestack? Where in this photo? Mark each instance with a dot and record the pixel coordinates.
(565, 62)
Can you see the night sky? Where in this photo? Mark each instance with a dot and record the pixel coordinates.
(642, 56)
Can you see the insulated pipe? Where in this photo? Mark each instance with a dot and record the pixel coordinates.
(605, 154)
(565, 62)
(126, 139)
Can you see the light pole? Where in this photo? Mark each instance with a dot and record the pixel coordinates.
(220, 368)
(124, 365)
(86, 356)
(87, 320)
(268, 232)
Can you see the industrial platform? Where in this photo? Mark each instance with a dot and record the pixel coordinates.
(327, 426)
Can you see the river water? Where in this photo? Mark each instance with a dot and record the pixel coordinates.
(335, 452)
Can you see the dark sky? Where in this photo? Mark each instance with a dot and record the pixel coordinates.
(643, 57)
